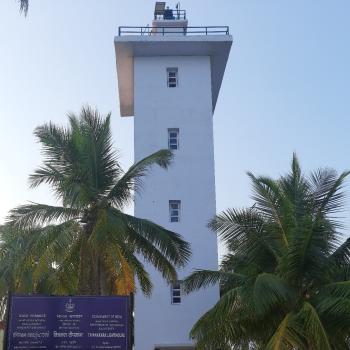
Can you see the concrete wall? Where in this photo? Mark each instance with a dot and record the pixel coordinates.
(190, 179)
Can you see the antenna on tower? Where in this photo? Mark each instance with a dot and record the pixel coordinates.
(178, 5)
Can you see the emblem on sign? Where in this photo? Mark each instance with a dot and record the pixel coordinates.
(70, 307)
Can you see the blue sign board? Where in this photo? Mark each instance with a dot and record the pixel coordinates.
(81, 322)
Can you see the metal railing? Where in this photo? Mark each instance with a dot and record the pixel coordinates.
(208, 30)
(170, 15)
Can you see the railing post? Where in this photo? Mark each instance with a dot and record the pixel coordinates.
(207, 30)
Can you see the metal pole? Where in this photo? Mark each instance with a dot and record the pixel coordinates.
(132, 321)
(6, 331)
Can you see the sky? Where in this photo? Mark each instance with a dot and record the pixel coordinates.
(286, 87)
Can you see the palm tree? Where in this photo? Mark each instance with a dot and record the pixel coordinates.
(23, 6)
(88, 235)
(20, 264)
(285, 281)
(15, 269)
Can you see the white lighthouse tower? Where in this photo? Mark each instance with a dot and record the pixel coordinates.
(169, 77)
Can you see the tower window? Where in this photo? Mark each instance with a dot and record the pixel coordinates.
(176, 293)
(173, 139)
(172, 77)
(174, 210)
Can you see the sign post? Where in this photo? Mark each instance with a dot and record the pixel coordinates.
(79, 322)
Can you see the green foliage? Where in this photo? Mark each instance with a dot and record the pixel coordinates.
(86, 244)
(23, 6)
(285, 282)
(27, 265)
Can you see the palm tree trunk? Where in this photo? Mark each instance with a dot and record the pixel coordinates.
(89, 281)
(84, 282)
(95, 269)
(105, 288)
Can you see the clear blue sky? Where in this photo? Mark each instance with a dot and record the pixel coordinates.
(286, 86)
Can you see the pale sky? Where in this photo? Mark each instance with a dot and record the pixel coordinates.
(286, 86)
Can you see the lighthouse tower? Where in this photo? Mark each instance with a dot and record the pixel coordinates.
(169, 77)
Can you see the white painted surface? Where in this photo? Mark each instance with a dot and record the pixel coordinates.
(169, 27)
(129, 46)
(190, 179)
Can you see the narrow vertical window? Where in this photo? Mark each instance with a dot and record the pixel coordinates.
(172, 77)
(174, 211)
(176, 293)
(173, 139)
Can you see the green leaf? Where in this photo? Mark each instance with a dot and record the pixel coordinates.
(30, 215)
(132, 180)
(287, 336)
(271, 292)
(315, 333)
(205, 278)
